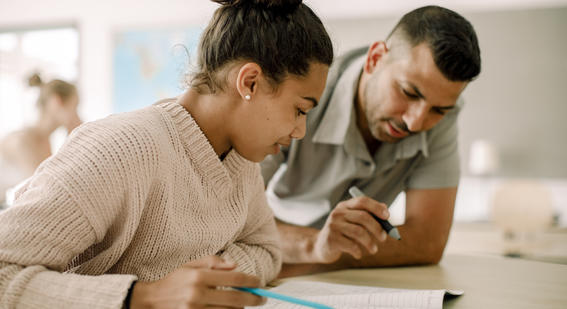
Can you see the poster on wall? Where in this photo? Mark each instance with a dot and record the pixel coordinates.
(150, 65)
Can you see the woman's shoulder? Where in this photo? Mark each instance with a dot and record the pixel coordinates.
(145, 121)
(127, 135)
(140, 118)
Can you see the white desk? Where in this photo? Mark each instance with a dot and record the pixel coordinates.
(488, 282)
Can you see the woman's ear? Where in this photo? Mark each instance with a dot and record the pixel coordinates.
(376, 53)
(247, 80)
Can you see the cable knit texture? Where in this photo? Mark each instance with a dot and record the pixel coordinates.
(131, 197)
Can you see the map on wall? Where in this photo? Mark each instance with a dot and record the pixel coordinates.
(151, 65)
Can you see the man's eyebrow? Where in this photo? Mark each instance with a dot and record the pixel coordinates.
(313, 100)
(419, 94)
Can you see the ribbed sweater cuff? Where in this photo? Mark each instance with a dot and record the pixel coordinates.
(50, 289)
(251, 260)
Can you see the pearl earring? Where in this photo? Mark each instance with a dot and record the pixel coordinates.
(247, 97)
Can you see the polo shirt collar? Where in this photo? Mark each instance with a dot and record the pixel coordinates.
(335, 124)
(409, 147)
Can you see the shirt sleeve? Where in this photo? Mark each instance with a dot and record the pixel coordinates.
(440, 168)
(67, 206)
(256, 249)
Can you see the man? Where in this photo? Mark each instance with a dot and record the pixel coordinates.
(386, 123)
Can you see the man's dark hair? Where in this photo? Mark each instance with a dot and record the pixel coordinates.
(282, 36)
(450, 37)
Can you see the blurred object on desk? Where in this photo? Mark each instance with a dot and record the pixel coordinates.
(521, 209)
(485, 238)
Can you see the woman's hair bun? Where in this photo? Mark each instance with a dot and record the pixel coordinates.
(273, 5)
(35, 80)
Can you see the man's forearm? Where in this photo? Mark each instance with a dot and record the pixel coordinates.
(297, 242)
(417, 246)
(298, 250)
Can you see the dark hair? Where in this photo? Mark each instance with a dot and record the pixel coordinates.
(58, 87)
(282, 37)
(450, 37)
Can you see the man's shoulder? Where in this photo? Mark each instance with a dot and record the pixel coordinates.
(339, 66)
(347, 57)
(342, 63)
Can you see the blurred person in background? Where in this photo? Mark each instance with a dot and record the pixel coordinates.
(23, 150)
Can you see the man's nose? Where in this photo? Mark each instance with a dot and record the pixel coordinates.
(415, 116)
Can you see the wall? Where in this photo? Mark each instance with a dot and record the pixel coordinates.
(97, 20)
(519, 101)
(516, 103)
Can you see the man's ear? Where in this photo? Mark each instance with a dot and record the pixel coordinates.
(375, 55)
(247, 80)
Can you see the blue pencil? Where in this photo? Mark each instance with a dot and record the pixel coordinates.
(266, 293)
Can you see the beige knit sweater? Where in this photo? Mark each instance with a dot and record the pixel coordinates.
(131, 197)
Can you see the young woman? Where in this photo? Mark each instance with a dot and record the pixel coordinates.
(164, 207)
(22, 151)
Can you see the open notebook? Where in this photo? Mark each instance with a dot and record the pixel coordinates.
(353, 296)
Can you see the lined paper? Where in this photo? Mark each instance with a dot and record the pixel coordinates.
(352, 296)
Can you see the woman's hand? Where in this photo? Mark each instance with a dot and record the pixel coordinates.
(194, 285)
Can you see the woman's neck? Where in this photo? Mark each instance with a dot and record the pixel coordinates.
(211, 114)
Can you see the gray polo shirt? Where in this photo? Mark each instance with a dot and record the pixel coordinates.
(309, 178)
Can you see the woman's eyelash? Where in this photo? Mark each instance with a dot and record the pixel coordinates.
(439, 111)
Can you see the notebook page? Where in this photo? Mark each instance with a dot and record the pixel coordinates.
(350, 296)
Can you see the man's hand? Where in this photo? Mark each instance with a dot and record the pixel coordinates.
(351, 229)
(429, 214)
(194, 285)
